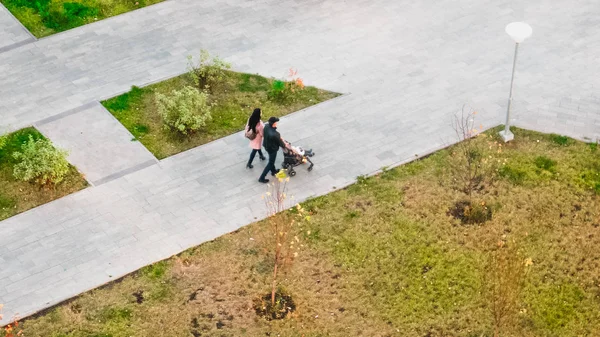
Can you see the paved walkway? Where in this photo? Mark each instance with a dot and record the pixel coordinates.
(99, 146)
(12, 32)
(405, 67)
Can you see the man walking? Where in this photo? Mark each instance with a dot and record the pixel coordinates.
(272, 141)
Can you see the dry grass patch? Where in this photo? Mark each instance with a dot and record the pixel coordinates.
(208, 291)
(385, 258)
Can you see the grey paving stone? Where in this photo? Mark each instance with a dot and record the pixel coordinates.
(99, 146)
(406, 68)
(12, 32)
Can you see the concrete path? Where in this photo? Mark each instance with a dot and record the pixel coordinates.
(99, 146)
(12, 32)
(405, 67)
(578, 117)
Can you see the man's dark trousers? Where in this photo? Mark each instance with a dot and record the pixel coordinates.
(270, 166)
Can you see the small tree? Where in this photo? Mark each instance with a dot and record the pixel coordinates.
(473, 166)
(469, 168)
(185, 110)
(207, 73)
(284, 243)
(41, 162)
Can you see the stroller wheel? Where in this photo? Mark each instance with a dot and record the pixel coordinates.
(292, 173)
(310, 168)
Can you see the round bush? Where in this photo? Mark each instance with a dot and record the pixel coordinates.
(41, 162)
(185, 110)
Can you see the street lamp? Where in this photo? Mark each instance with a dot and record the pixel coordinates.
(518, 31)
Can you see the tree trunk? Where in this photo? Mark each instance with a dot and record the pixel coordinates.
(274, 286)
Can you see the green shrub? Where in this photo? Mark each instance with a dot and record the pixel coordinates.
(207, 73)
(594, 146)
(278, 91)
(13, 142)
(545, 163)
(284, 91)
(185, 110)
(560, 140)
(41, 162)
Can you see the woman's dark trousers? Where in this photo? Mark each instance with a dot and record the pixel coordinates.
(252, 154)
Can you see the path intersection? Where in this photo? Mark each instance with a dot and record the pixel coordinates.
(404, 68)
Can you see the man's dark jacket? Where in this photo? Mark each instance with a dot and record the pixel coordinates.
(272, 139)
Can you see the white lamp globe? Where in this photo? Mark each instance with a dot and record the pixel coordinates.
(518, 31)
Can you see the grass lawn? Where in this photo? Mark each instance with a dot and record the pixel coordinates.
(18, 196)
(235, 98)
(47, 17)
(385, 258)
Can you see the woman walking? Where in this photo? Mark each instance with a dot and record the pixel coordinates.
(254, 132)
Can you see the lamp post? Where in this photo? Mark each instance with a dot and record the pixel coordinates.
(518, 31)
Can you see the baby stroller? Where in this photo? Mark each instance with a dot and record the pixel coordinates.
(294, 156)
